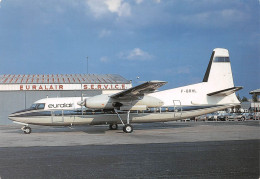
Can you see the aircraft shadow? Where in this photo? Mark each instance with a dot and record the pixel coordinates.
(96, 129)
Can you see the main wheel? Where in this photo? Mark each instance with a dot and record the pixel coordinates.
(27, 130)
(128, 128)
(113, 126)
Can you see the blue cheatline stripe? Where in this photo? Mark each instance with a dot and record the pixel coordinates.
(29, 113)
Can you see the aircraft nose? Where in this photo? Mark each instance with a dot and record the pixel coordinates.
(11, 117)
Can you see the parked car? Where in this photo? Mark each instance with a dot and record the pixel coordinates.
(185, 120)
(223, 116)
(238, 116)
(212, 117)
(256, 116)
(248, 116)
(201, 118)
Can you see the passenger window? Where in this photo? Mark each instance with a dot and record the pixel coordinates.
(163, 109)
(171, 109)
(67, 113)
(57, 113)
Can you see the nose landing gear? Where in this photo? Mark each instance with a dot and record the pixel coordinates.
(26, 129)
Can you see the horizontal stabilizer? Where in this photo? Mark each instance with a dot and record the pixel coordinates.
(225, 92)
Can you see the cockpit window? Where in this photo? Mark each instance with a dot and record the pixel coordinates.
(33, 106)
(40, 106)
(37, 106)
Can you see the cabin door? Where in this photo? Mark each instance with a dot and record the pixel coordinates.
(57, 116)
(177, 108)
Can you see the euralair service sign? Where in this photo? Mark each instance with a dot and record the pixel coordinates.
(62, 87)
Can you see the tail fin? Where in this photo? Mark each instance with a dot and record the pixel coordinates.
(219, 71)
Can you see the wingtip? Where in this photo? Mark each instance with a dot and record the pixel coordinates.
(158, 81)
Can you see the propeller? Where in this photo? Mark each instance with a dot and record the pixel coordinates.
(82, 103)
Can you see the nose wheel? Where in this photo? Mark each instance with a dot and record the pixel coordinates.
(26, 129)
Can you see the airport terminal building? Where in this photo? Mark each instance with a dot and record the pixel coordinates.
(20, 91)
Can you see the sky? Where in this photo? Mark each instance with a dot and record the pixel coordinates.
(142, 40)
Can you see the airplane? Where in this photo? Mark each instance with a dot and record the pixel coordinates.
(140, 104)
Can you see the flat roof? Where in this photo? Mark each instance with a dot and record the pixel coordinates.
(63, 79)
(255, 91)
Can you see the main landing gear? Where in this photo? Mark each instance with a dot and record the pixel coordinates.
(113, 126)
(26, 129)
(128, 128)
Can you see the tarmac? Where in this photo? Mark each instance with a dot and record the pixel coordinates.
(155, 150)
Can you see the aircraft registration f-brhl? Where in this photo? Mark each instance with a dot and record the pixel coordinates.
(139, 104)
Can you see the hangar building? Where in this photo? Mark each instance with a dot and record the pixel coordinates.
(20, 91)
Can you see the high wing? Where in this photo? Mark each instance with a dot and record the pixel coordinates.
(140, 90)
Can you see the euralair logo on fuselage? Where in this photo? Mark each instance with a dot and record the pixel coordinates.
(64, 105)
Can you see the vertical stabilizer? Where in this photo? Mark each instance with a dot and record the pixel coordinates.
(219, 71)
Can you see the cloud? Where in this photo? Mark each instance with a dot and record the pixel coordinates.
(183, 70)
(140, 1)
(104, 59)
(104, 33)
(119, 7)
(98, 7)
(136, 54)
(177, 70)
(217, 18)
(125, 10)
(102, 7)
(113, 5)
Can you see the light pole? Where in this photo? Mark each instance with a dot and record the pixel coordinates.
(87, 64)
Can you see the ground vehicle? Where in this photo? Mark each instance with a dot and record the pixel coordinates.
(212, 117)
(223, 117)
(238, 116)
(200, 118)
(256, 116)
(248, 116)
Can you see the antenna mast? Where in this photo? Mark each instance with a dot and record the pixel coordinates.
(87, 64)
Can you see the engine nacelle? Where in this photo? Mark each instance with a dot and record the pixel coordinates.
(99, 102)
(106, 102)
(149, 101)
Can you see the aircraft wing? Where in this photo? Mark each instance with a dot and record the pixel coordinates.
(225, 92)
(140, 90)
